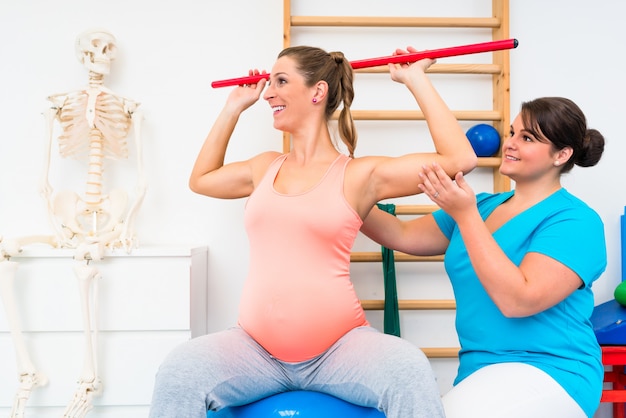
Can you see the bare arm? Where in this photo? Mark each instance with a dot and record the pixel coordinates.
(453, 153)
(419, 236)
(539, 282)
(209, 175)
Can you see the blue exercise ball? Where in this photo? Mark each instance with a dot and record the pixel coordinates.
(300, 404)
(485, 139)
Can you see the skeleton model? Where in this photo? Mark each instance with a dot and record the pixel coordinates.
(94, 123)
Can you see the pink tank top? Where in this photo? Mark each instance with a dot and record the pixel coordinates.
(298, 298)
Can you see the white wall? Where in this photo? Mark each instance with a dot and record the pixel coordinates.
(171, 51)
(572, 48)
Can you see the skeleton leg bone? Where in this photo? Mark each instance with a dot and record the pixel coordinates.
(29, 377)
(89, 384)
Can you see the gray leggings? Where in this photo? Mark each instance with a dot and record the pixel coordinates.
(228, 368)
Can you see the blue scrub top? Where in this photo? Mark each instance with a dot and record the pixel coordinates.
(559, 340)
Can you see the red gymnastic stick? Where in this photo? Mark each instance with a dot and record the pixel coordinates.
(394, 59)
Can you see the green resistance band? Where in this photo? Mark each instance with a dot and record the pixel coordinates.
(391, 313)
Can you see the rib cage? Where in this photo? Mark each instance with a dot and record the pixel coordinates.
(111, 120)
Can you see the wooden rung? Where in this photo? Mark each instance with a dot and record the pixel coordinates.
(443, 69)
(477, 115)
(441, 352)
(411, 305)
(489, 162)
(382, 21)
(374, 256)
(415, 209)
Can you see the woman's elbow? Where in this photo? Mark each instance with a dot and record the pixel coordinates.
(194, 185)
(468, 163)
(464, 163)
(519, 309)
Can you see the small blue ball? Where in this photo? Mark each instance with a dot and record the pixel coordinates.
(485, 139)
(301, 404)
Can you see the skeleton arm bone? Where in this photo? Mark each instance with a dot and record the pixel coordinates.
(128, 233)
(44, 186)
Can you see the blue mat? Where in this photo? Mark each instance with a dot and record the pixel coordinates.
(609, 323)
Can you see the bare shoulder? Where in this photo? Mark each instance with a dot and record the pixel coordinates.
(362, 183)
(265, 158)
(261, 162)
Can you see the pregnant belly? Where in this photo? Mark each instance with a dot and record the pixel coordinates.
(299, 324)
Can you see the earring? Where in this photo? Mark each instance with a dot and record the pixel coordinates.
(314, 100)
(556, 163)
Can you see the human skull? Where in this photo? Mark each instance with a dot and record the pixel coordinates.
(95, 49)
